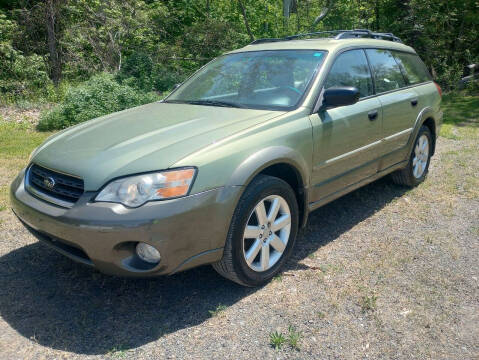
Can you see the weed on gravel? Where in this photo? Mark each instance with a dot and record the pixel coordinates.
(277, 340)
(218, 310)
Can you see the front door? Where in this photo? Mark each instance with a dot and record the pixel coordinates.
(347, 138)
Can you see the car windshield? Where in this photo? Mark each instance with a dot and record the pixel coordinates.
(275, 80)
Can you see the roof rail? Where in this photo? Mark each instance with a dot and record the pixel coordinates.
(336, 34)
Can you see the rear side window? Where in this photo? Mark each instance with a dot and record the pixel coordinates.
(387, 74)
(413, 67)
(351, 69)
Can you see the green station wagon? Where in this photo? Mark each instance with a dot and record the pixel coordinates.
(226, 169)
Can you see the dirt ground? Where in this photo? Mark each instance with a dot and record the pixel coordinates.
(382, 273)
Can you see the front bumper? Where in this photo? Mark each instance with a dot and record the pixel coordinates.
(188, 232)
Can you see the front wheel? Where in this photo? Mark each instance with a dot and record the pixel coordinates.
(262, 232)
(418, 166)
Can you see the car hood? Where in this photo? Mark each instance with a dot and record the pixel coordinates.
(146, 138)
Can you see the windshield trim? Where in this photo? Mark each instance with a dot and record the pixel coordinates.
(300, 102)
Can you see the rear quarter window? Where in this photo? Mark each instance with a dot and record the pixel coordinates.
(413, 68)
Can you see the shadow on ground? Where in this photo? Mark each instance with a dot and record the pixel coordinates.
(46, 297)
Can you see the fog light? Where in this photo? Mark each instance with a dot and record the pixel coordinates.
(148, 253)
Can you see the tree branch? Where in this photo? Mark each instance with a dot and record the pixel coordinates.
(324, 13)
(243, 11)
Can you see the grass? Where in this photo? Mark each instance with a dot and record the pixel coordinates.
(461, 116)
(117, 353)
(218, 311)
(17, 142)
(461, 109)
(294, 337)
(368, 303)
(278, 278)
(277, 339)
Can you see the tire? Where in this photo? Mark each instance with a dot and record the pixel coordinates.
(262, 267)
(409, 176)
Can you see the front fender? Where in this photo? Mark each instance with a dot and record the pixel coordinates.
(264, 158)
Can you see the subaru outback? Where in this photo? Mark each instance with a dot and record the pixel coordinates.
(226, 169)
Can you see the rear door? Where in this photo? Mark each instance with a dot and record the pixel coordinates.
(400, 103)
(346, 138)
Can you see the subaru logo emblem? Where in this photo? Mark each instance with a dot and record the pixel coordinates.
(49, 182)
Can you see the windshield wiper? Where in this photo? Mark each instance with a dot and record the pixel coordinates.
(209, 102)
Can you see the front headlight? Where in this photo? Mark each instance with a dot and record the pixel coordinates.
(134, 191)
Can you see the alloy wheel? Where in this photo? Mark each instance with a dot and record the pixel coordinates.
(267, 233)
(421, 156)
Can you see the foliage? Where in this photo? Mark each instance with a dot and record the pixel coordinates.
(368, 303)
(141, 72)
(218, 311)
(21, 76)
(294, 337)
(98, 96)
(152, 45)
(277, 340)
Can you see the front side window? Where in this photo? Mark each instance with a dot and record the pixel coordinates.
(351, 69)
(274, 80)
(387, 74)
(413, 67)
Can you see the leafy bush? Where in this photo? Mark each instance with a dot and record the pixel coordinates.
(21, 76)
(98, 96)
(141, 72)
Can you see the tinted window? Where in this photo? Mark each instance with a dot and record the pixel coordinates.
(413, 68)
(387, 74)
(351, 69)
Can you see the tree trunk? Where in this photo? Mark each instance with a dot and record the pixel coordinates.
(377, 14)
(324, 13)
(51, 23)
(286, 13)
(298, 19)
(245, 18)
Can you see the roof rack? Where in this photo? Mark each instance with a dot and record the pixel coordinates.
(336, 34)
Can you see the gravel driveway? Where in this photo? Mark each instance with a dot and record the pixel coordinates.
(383, 272)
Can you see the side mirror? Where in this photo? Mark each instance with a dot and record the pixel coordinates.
(340, 96)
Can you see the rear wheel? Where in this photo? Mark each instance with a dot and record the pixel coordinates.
(262, 232)
(418, 166)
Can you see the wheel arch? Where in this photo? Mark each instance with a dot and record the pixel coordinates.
(431, 124)
(282, 162)
(427, 118)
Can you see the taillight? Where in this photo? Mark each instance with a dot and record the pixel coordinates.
(439, 90)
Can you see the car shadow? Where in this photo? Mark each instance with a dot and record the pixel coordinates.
(62, 305)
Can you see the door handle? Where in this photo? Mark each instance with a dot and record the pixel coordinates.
(373, 115)
(414, 102)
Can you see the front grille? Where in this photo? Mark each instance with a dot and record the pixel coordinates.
(56, 185)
